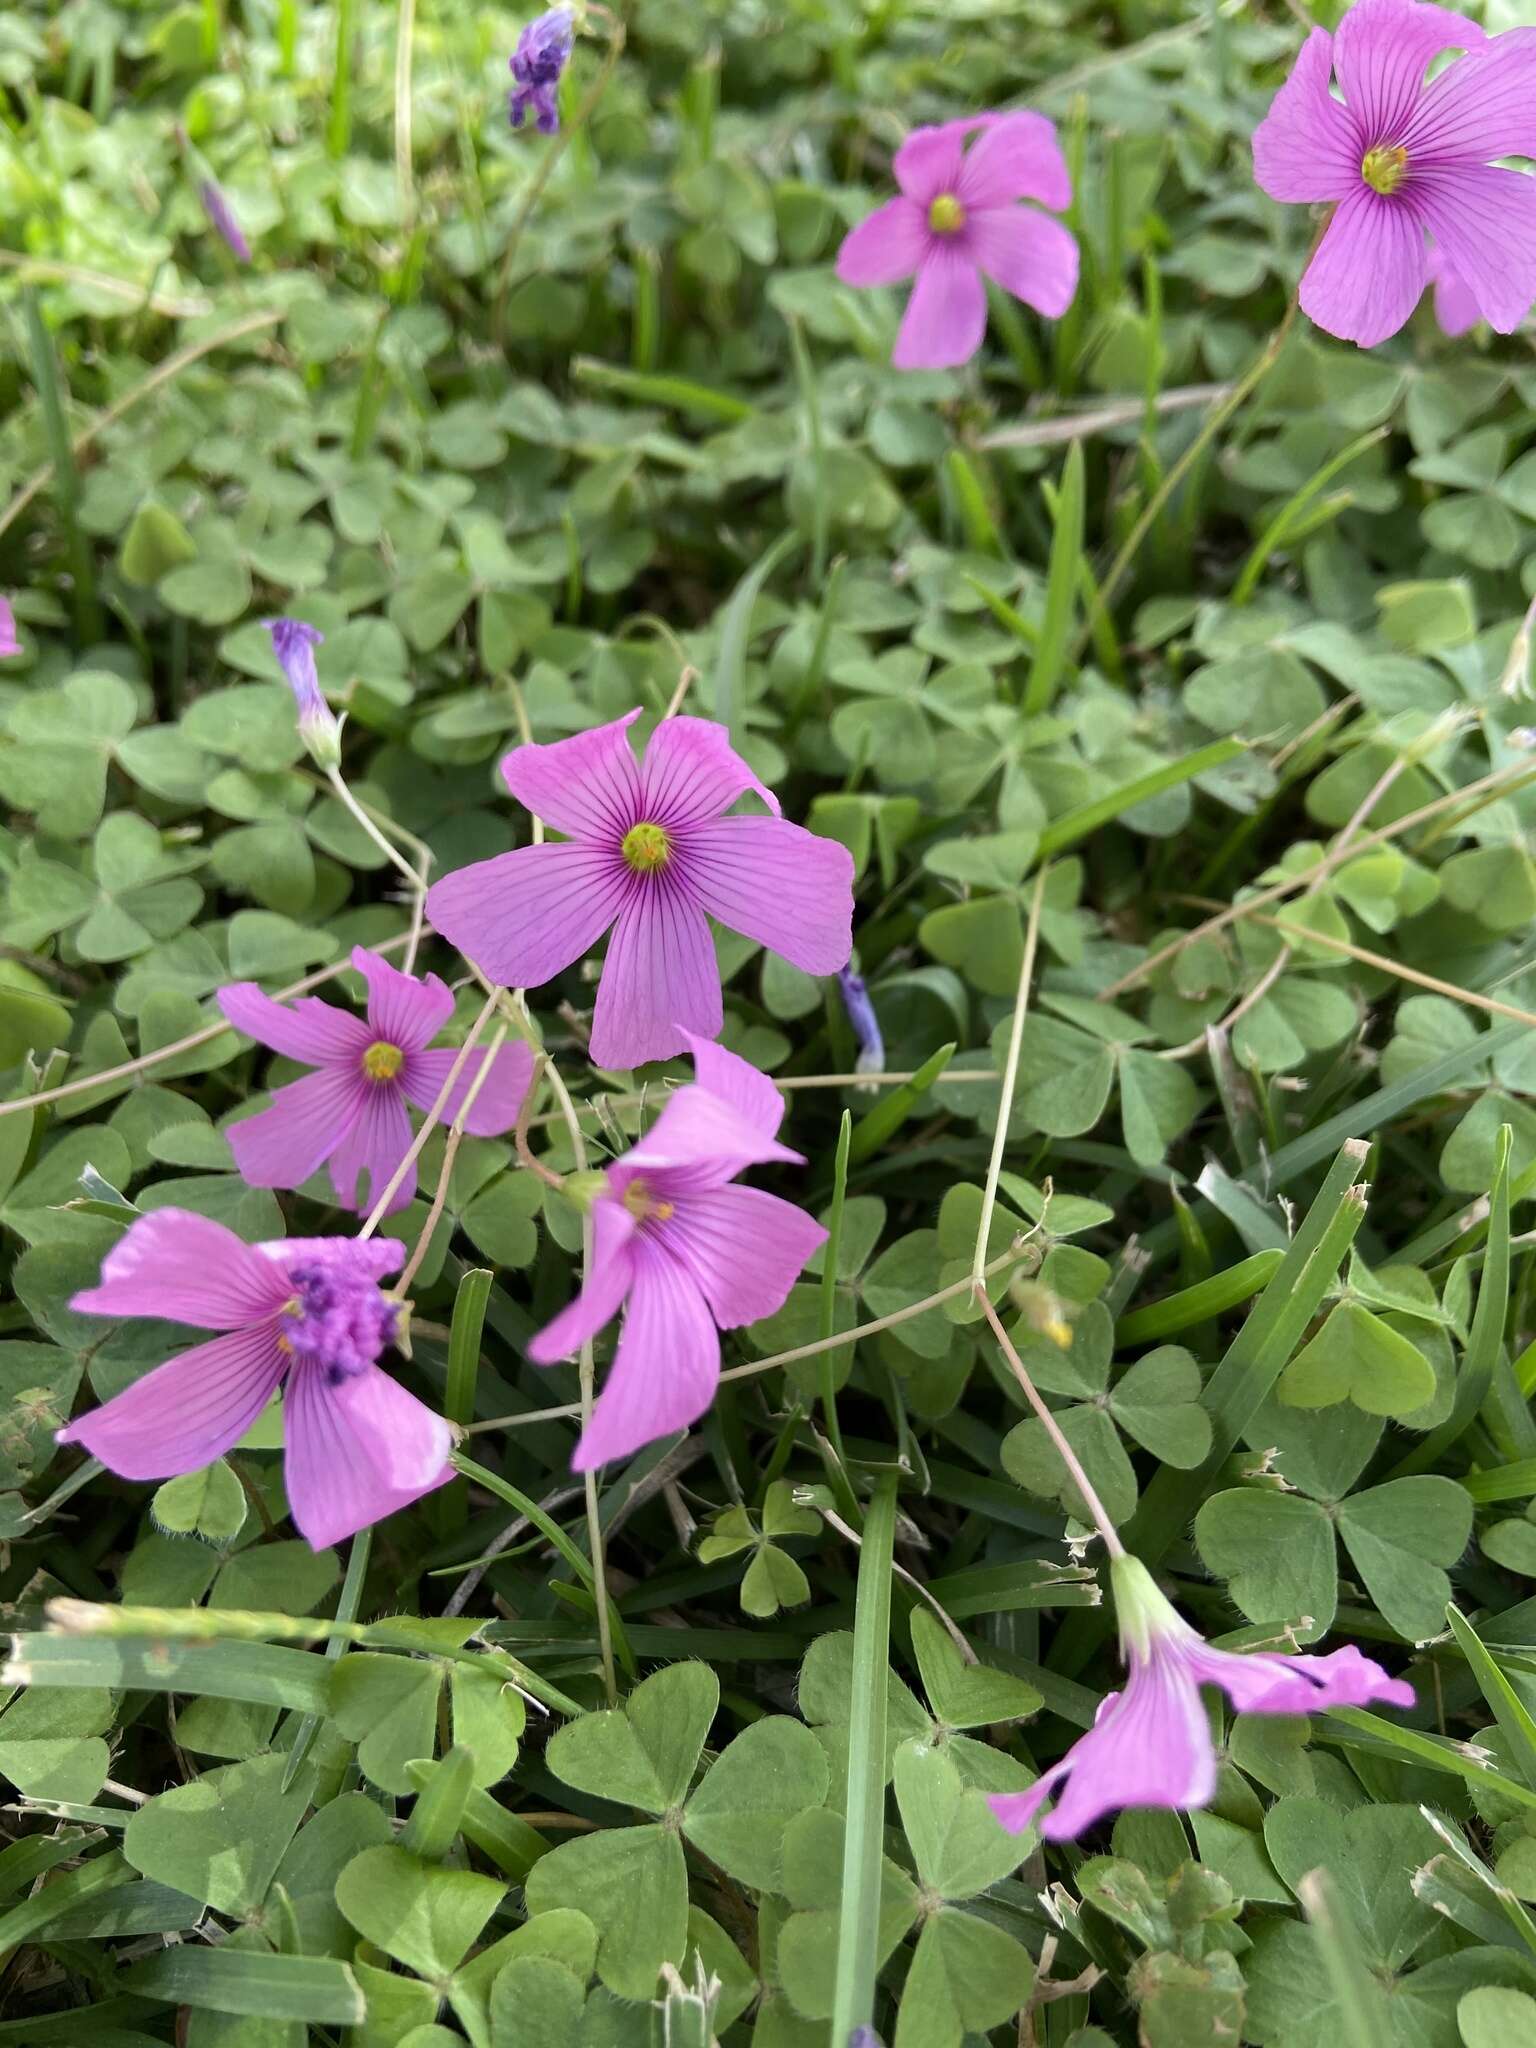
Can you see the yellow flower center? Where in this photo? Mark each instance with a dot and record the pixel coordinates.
(1384, 167)
(946, 216)
(382, 1061)
(642, 1204)
(646, 847)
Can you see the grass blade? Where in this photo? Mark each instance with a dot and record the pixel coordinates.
(1050, 660)
(1074, 825)
(1513, 1716)
(1356, 1999)
(859, 1923)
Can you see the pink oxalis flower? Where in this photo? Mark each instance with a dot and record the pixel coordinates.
(649, 851)
(958, 221)
(1406, 163)
(685, 1252)
(1455, 308)
(9, 644)
(1151, 1744)
(352, 1111)
(306, 1314)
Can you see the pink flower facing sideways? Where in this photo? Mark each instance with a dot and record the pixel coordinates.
(957, 222)
(649, 851)
(685, 1253)
(352, 1111)
(1401, 161)
(1151, 1744)
(306, 1314)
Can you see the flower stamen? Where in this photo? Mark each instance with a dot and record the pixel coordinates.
(382, 1061)
(1384, 167)
(946, 216)
(646, 847)
(643, 1205)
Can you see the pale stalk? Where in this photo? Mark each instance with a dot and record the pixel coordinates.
(1052, 1428)
(450, 1152)
(1001, 1263)
(429, 1123)
(405, 27)
(1010, 1079)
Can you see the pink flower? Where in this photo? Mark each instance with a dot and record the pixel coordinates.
(9, 644)
(1401, 160)
(352, 1109)
(648, 850)
(306, 1314)
(1455, 308)
(957, 221)
(686, 1253)
(1151, 1744)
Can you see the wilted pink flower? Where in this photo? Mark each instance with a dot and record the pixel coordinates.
(294, 642)
(687, 1254)
(957, 221)
(306, 1314)
(9, 644)
(1455, 308)
(542, 53)
(353, 1110)
(649, 851)
(1151, 1744)
(1401, 160)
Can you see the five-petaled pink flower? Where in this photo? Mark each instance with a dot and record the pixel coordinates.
(1402, 160)
(957, 221)
(352, 1110)
(306, 1314)
(649, 851)
(1151, 1744)
(687, 1254)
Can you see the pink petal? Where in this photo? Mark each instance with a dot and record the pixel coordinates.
(660, 976)
(525, 916)
(587, 786)
(186, 1269)
(379, 1138)
(353, 1258)
(187, 1412)
(1308, 147)
(1368, 273)
(9, 644)
(1484, 220)
(1483, 107)
(1017, 157)
(309, 1030)
(1015, 1810)
(603, 1290)
(691, 773)
(1150, 1746)
(667, 1367)
(497, 1100)
(885, 248)
(928, 162)
(775, 882)
(736, 1081)
(1383, 49)
(744, 1250)
(1264, 1684)
(1455, 308)
(356, 1451)
(1028, 254)
(402, 1010)
(946, 316)
(282, 1146)
(701, 1141)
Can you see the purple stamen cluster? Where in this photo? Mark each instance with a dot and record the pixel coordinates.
(340, 1320)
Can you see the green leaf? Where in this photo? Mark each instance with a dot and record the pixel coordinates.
(962, 1694)
(967, 1977)
(536, 2003)
(1356, 1356)
(388, 1707)
(772, 1771)
(425, 1915)
(956, 1842)
(210, 1504)
(222, 1837)
(1402, 1537)
(632, 1884)
(644, 1753)
(1276, 1554)
(983, 938)
(1493, 2016)
(1158, 1401)
(50, 1743)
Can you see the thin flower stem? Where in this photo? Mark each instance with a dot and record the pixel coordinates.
(209, 1032)
(1010, 1080)
(557, 148)
(1000, 1264)
(430, 1121)
(525, 1156)
(685, 683)
(450, 1152)
(391, 852)
(1052, 1428)
(1306, 936)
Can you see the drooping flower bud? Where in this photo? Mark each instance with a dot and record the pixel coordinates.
(294, 643)
(542, 53)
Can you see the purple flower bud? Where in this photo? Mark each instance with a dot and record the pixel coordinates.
(542, 53)
(866, 1025)
(219, 211)
(9, 644)
(294, 643)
